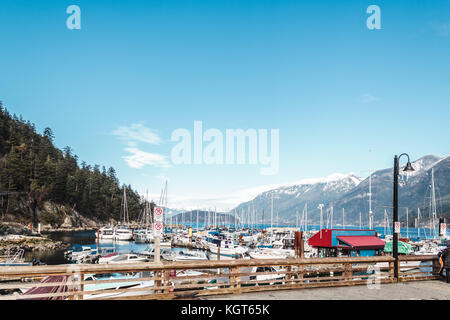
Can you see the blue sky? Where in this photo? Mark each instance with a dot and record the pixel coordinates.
(344, 98)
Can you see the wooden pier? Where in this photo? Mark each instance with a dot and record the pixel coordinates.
(231, 276)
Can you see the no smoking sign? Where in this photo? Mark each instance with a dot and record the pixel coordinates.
(157, 228)
(159, 214)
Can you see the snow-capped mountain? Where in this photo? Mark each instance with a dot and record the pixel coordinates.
(351, 193)
(287, 199)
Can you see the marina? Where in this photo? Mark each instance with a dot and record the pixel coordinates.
(212, 261)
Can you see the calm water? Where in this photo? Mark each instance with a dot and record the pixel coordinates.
(411, 233)
(88, 238)
(85, 238)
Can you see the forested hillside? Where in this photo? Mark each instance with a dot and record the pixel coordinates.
(34, 173)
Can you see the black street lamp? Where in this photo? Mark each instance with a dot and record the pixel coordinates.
(408, 168)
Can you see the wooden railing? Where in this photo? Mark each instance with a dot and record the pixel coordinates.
(159, 280)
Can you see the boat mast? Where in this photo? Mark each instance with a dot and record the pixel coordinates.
(360, 224)
(125, 207)
(385, 220)
(331, 220)
(407, 234)
(321, 218)
(271, 218)
(370, 202)
(418, 223)
(343, 221)
(306, 216)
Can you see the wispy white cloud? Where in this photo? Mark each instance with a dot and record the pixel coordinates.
(368, 98)
(441, 28)
(135, 133)
(139, 159)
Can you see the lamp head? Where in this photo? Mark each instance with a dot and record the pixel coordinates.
(408, 167)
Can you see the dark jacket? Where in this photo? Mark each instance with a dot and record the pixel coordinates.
(446, 258)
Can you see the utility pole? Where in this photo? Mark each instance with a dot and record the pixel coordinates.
(396, 223)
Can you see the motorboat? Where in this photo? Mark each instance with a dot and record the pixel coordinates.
(268, 253)
(110, 288)
(190, 255)
(123, 233)
(164, 253)
(78, 253)
(108, 257)
(105, 233)
(143, 236)
(227, 248)
(123, 258)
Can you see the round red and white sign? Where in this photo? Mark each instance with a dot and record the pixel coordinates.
(397, 227)
(158, 211)
(158, 226)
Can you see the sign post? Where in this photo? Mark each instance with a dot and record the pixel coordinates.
(397, 227)
(158, 227)
(442, 228)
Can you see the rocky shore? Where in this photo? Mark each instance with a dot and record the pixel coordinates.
(14, 236)
(12, 243)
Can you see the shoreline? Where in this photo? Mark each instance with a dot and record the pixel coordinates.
(10, 244)
(55, 230)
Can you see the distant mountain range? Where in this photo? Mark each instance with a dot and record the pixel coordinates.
(203, 217)
(351, 193)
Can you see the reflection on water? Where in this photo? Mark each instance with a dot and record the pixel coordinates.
(85, 238)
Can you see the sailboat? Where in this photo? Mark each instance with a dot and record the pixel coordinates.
(145, 233)
(123, 232)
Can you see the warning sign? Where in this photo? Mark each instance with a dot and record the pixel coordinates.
(443, 230)
(158, 228)
(159, 214)
(397, 227)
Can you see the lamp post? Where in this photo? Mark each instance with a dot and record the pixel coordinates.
(408, 168)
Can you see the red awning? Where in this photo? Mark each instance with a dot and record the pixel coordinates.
(362, 241)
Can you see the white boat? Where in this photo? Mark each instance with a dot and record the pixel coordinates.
(110, 288)
(108, 257)
(123, 233)
(227, 248)
(165, 244)
(165, 253)
(105, 233)
(192, 255)
(143, 236)
(124, 258)
(78, 253)
(268, 253)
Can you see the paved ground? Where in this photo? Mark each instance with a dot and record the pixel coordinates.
(416, 290)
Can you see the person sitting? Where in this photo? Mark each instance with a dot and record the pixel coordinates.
(445, 263)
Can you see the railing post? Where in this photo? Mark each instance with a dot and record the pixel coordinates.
(81, 288)
(288, 275)
(435, 268)
(232, 278)
(300, 272)
(391, 271)
(158, 275)
(71, 287)
(238, 280)
(348, 273)
(166, 281)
